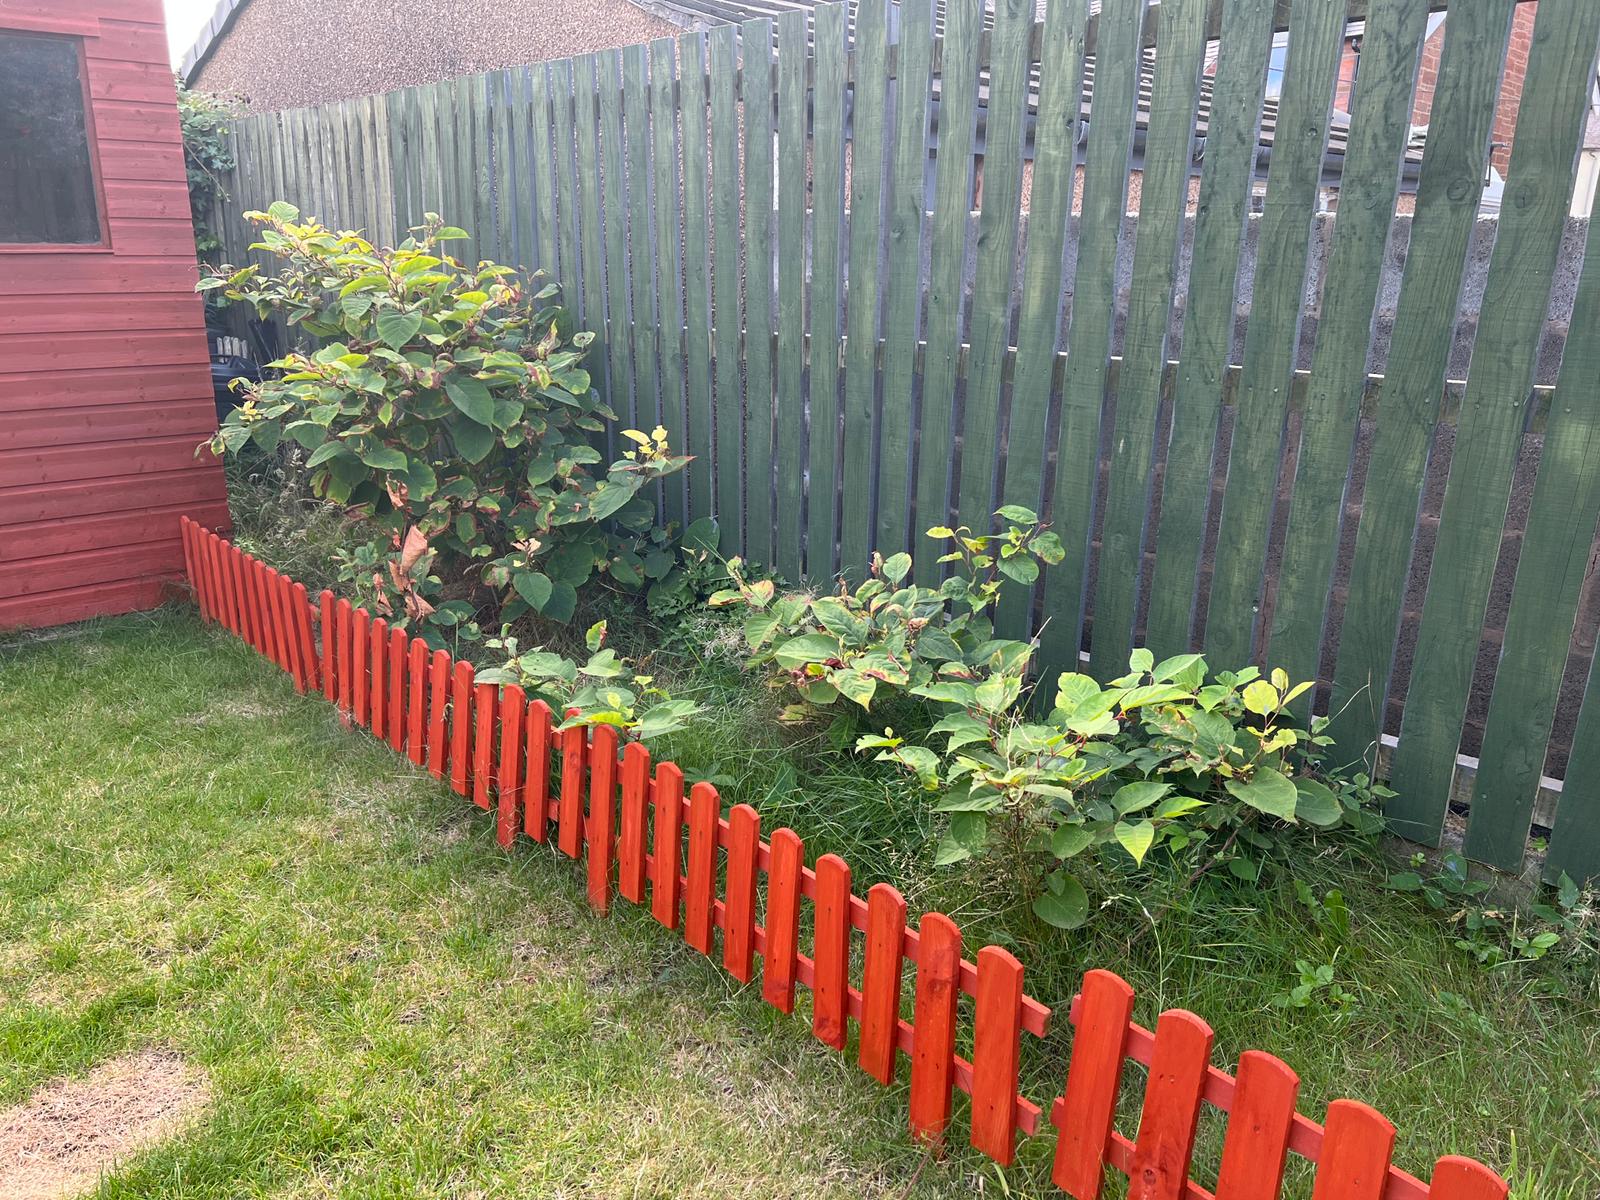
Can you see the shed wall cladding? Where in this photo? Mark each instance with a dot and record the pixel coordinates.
(105, 389)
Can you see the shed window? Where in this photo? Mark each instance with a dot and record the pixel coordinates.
(47, 191)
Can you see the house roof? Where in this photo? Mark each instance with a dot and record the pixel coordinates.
(206, 40)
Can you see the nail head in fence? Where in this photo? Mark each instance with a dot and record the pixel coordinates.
(513, 706)
(996, 1054)
(664, 867)
(785, 863)
(536, 783)
(700, 894)
(378, 692)
(460, 725)
(438, 698)
(601, 830)
(739, 913)
(569, 818)
(483, 726)
(1260, 1117)
(1356, 1145)
(416, 745)
(635, 799)
(1161, 1155)
(933, 1044)
(830, 949)
(330, 655)
(1084, 1112)
(880, 982)
(397, 689)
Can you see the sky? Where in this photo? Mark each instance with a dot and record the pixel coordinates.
(184, 20)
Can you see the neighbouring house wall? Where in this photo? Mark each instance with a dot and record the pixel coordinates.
(288, 53)
(105, 389)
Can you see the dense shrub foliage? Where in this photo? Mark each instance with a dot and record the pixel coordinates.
(204, 119)
(450, 413)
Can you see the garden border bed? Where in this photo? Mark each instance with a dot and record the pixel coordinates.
(503, 751)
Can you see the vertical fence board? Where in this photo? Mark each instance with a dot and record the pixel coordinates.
(360, 649)
(508, 778)
(1171, 1116)
(1225, 186)
(1261, 406)
(1163, 196)
(668, 255)
(536, 780)
(827, 287)
(993, 275)
(933, 1043)
(563, 162)
(830, 950)
(789, 428)
(880, 982)
(1039, 297)
(667, 854)
(395, 720)
(728, 477)
(585, 98)
(1494, 414)
(484, 699)
(438, 698)
(759, 86)
(1105, 177)
(569, 815)
(416, 743)
(460, 725)
(635, 809)
(903, 252)
(700, 889)
(378, 692)
(868, 100)
(1259, 1120)
(618, 334)
(636, 115)
(602, 815)
(1354, 1162)
(696, 434)
(739, 920)
(996, 1054)
(1448, 193)
(778, 965)
(1083, 1114)
(542, 164)
(1380, 125)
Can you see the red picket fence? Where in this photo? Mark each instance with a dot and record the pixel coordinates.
(630, 820)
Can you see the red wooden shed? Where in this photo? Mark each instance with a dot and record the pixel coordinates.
(105, 388)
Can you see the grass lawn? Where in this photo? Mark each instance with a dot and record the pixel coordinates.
(386, 1004)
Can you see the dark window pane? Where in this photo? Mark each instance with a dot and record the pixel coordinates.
(46, 184)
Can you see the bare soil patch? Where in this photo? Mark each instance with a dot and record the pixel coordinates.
(59, 1141)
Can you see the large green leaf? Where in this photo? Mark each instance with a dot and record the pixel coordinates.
(1317, 804)
(1136, 839)
(1065, 909)
(473, 440)
(471, 397)
(807, 648)
(385, 458)
(395, 329)
(534, 587)
(1266, 791)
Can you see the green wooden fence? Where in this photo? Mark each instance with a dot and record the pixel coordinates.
(772, 227)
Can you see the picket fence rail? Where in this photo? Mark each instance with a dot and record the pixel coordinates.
(628, 826)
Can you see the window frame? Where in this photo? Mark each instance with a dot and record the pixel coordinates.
(78, 33)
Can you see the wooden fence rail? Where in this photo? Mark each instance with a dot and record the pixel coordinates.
(805, 248)
(702, 869)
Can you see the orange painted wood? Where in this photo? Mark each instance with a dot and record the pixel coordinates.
(360, 674)
(830, 950)
(271, 627)
(345, 630)
(1259, 1120)
(508, 782)
(739, 893)
(665, 866)
(207, 582)
(781, 960)
(396, 719)
(635, 809)
(880, 981)
(1084, 1113)
(1357, 1142)
(416, 722)
(1171, 1113)
(288, 648)
(602, 829)
(1456, 1178)
(536, 780)
(330, 653)
(238, 584)
(996, 1054)
(485, 697)
(292, 615)
(460, 725)
(305, 636)
(569, 815)
(438, 701)
(933, 1045)
(699, 895)
(377, 685)
(191, 570)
